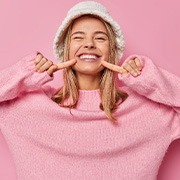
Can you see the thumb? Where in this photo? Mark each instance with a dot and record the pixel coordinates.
(124, 72)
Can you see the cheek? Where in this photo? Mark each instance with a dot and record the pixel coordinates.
(105, 49)
(73, 48)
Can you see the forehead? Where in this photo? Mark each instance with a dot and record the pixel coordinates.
(88, 23)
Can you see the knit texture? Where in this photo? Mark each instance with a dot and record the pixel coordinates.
(47, 142)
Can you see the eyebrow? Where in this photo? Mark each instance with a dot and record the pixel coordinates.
(96, 32)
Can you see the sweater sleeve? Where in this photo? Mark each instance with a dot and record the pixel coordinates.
(154, 82)
(158, 85)
(21, 77)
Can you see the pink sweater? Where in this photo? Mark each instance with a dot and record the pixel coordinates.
(48, 143)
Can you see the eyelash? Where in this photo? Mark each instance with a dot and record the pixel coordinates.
(99, 38)
(78, 38)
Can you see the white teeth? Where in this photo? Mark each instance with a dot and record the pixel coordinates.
(88, 57)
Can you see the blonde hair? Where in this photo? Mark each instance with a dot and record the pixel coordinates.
(109, 92)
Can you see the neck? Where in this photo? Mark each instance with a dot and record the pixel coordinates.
(88, 82)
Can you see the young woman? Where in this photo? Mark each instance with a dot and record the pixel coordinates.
(106, 122)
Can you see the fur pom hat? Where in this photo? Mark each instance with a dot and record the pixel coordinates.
(82, 8)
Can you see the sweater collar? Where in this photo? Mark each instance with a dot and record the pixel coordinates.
(89, 100)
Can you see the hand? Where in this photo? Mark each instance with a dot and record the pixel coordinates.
(43, 64)
(132, 66)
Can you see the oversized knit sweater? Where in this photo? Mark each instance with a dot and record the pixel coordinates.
(47, 142)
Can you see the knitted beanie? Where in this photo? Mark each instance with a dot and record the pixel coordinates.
(82, 8)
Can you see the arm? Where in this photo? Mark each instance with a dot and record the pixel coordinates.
(155, 83)
(21, 77)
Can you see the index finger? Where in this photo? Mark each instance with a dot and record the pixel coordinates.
(112, 66)
(66, 64)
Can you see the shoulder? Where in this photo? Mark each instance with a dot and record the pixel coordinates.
(49, 90)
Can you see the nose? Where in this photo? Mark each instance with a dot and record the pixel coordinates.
(89, 44)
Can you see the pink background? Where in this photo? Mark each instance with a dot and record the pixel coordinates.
(150, 28)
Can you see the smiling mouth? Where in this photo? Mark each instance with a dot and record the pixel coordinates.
(89, 57)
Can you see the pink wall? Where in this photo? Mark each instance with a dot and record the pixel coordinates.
(150, 28)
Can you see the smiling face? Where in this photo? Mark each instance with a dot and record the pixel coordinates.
(89, 44)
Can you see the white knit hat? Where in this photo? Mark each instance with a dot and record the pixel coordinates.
(82, 8)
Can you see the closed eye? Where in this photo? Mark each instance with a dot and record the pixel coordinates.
(100, 38)
(77, 37)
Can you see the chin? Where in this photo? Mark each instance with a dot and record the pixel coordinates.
(88, 70)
